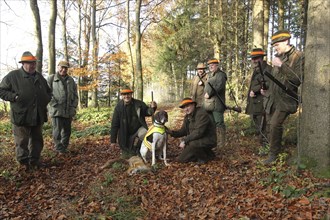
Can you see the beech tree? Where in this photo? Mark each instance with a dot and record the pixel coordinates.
(258, 24)
(314, 135)
(36, 15)
(138, 36)
(64, 30)
(51, 37)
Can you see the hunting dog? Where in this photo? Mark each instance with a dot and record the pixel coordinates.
(155, 139)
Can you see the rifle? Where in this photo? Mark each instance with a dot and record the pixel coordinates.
(235, 108)
(200, 78)
(288, 91)
(263, 81)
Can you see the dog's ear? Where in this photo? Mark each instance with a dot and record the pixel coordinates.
(157, 117)
(165, 116)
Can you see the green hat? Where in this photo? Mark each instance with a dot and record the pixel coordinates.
(27, 57)
(281, 35)
(257, 52)
(64, 64)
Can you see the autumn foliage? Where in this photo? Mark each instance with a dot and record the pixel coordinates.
(233, 186)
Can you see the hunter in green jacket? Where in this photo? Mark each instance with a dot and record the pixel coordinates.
(62, 107)
(28, 94)
(198, 132)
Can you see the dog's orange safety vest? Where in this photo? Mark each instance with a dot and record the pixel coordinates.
(153, 129)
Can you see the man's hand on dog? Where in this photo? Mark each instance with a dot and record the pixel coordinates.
(168, 131)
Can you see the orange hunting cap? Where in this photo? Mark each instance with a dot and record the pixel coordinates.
(213, 60)
(186, 101)
(257, 52)
(27, 57)
(126, 91)
(281, 35)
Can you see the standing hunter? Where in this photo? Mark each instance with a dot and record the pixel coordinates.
(62, 107)
(255, 99)
(287, 69)
(28, 93)
(198, 84)
(215, 105)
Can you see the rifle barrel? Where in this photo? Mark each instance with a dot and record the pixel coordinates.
(286, 89)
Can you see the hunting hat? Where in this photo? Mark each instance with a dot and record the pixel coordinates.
(27, 57)
(186, 101)
(257, 52)
(213, 60)
(281, 35)
(200, 66)
(126, 91)
(64, 64)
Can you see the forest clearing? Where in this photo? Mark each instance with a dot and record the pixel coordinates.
(233, 186)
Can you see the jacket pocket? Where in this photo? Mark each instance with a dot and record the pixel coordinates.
(209, 104)
(19, 117)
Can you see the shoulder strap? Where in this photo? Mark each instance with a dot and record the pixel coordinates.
(51, 81)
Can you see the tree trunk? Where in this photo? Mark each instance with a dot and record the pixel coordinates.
(65, 42)
(258, 24)
(93, 91)
(139, 76)
(280, 14)
(304, 25)
(37, 23)
(128, 41)
(51, 38)
(266, 24)
(79, 53)
(176, 84)
(85, 56)
(314, 137)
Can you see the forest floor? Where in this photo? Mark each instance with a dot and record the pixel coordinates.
(233, 186)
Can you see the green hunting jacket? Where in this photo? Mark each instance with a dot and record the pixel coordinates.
(198, 129)
(291, 75)
(64, 100)
(255, 104)
(218, 80)
(33, 95)
(120, 126)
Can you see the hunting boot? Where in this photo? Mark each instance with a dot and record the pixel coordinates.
(221, 138)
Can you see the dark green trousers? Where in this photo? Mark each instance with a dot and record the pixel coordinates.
(276, 131)
(259, 122)
(29, 143)
(193, 153)
(218, 119)
(61, 133)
